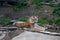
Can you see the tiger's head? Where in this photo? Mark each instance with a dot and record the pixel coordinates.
(33, 19)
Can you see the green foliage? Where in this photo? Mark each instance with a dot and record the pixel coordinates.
(57, 21)
(57, 12)
(50, 21)
(22, 19)
(37, 3)
(41, 21)
(52, 5)
(47, 0)
(5, 19)
(19, 4)
(22, 3)
(44, 18)
(56, 8)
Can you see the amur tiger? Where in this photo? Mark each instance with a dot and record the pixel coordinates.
(29, 23)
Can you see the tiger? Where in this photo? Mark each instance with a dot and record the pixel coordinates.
(29, 23)
(31, 20)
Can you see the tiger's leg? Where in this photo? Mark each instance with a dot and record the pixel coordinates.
(31, 26)
(36, 29)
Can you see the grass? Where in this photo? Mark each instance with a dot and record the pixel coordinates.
(40, 21)
(22, 19)
(57, 21)
(5, 19)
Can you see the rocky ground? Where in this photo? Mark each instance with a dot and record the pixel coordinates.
(12, 34)
(26, 35)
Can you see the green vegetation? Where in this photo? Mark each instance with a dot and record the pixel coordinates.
(55, 6)
(43, 20)
(48, 1)
(56, 9)
(22, 19)
(57, 12)
(19, 4)
(22, 3)
(40, 21)
(50, 21)
(5, 19)
(37, 3)
(57, 21)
